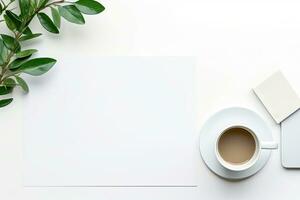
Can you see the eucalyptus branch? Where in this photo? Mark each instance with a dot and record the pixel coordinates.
(13, 59)
(3, 77)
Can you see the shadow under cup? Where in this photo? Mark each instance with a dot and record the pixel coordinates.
(237, 148)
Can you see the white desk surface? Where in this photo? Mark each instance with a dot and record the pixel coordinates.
(233, 39)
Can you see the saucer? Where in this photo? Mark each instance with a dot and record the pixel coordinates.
(223, 119)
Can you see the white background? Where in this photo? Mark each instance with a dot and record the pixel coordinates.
(238, 43)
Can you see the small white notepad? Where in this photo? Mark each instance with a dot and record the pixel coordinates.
(278, 96)
(111, 121)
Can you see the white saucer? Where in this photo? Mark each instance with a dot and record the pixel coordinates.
(223, 119)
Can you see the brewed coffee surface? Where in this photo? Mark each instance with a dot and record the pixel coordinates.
(236, 146)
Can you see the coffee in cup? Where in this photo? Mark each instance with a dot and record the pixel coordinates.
(238, 148)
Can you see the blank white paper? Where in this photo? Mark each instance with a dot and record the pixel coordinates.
(111, 121)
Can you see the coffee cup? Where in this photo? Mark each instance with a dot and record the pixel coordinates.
(238, 148)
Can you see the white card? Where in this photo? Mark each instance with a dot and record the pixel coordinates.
(290, 141)
(278, 97)
(111, 121)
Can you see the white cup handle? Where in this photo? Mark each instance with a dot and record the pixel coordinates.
(269, 145)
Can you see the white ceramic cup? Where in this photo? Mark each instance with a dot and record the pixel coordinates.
(259, 146)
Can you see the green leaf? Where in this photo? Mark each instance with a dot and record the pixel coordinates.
(10, 42)
(22, 84)
(27, 31)
(42, 3)
(5, 102)
(47, 23)
(24, 7)
(71, 14)
(1, 8)
(13, 15)
(9, 23)
(3, 52)
(5, 90)
(26, 53)
(89, 7)
(55, 17)
(2, 60)
(9, 82)
(14, 65)
(28, 37)
(37, 66)
(32, 6)
(14, 18)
